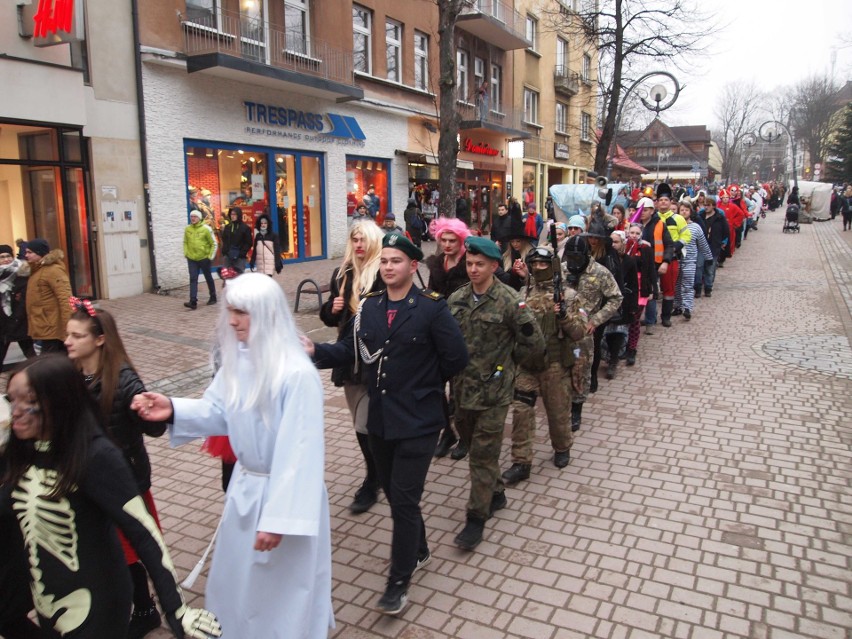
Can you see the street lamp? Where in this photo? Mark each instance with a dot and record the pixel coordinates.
(771, 134)
(663, 155)
(658, 93)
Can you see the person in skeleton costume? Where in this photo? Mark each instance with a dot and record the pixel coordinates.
(69, 487)
(271, 571)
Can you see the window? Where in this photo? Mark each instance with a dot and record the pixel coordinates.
(587, 68)
(530, 106)
(297, 26)
(253, 31)
(478, 72)
(531, 32)
(203, 12)
(561, 117)
(421, 60)
(586, 127)
(561, 56)
(362, 58)
(461, 75)
(496, 79)
(393, 42)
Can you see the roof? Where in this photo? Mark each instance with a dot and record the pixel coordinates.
(623, 161)
(683, 134)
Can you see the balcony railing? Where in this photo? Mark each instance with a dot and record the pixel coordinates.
(501, 14)
(565, 81)
(480, 116)
(260, 41)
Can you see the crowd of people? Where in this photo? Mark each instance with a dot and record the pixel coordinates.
(427, 371)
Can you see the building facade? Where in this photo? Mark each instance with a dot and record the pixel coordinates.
(676, 153)
(70, 160)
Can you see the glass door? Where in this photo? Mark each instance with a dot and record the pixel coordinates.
(80, 259)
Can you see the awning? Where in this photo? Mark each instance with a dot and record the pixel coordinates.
(426, 158)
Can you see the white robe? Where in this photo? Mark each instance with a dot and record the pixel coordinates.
(277, 487)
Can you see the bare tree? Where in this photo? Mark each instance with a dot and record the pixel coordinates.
(737, 111)
(815, 104)
(632, 35)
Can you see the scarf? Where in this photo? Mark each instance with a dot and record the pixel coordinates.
(8, 273)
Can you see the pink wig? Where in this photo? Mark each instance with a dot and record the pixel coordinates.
(452, 225)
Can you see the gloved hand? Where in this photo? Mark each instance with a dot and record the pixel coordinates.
(196, 623)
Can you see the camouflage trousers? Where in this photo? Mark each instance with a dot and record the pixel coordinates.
(482, 430)
(581, 370)
(554, 386)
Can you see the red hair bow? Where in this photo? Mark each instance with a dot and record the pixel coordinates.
(82, 305)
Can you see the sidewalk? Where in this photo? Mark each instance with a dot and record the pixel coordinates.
(708, 493)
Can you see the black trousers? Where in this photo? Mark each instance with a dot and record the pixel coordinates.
(53, 346)
(25, 344)
(402, 466)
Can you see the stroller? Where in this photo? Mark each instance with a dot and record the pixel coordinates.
(791, 219)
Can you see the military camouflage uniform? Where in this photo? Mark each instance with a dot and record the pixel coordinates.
(499, 331)
(551, 378)
(600, 298)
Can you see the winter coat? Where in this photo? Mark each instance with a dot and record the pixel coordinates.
(266, 256)
(630, 275)
(199, 243)
(125, 428)
(48, 291)
(612, 262)
(443, 281)
(13, 327)
(501, 229)
(716, 230)
(236, 237)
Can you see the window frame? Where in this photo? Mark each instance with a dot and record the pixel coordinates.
(586, 73)
(392, 44)
(531, 21)
(585, 127)
(462, 70)
(494, 86)
(421, 61)
(215, 12)
(303, 7)
(563, 121)
(561, 51)
(363, 32)
(531, 103)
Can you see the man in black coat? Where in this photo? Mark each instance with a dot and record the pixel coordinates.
(501, 227)
(410, 345)
(236, 241)
(716, 230)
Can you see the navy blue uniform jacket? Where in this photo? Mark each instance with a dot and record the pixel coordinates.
(422, 349)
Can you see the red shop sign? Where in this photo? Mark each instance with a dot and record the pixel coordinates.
(53, 16)
(480, 149)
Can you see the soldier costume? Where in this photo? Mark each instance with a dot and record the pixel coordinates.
(550, 377)
(600, 298)
(499, 330)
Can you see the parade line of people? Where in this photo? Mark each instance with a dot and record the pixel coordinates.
(426, 371)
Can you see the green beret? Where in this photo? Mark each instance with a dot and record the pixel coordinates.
(399, 241)
(483, 246)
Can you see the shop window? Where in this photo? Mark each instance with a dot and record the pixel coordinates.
(38, 146)
(362, 174)
(362, 39)
(286, 186)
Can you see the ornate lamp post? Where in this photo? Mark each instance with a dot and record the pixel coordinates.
(768, 132)
(658, 93)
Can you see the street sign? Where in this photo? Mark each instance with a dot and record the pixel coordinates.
(696, 167)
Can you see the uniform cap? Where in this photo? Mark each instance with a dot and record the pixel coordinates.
(402, 243)
(483, 246)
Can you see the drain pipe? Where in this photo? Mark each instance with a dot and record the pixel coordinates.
(143, 144)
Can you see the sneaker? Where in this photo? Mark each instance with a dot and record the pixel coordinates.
(394, 599)
(498, 502)
(191, 305)
(142, 622)
(422, 560)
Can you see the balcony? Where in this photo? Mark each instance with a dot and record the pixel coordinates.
(565, 81)
(235, 47)
(505, 121)
(495, 22)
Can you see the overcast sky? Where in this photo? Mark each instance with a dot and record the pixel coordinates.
(775, 42)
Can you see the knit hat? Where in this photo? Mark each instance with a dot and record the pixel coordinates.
(5, 248)
(577, 221)
(38, 246)
(390, 216)
(195, 213)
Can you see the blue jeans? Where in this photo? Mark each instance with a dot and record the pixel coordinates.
(651, 311)
(705, 274)
(194, 267)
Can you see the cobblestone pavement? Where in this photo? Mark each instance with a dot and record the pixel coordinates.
(708, 494)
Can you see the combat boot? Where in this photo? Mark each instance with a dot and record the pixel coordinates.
(516, 473)
(631, 356)
(459, 452)
(561, 460)
(612, 367)
(471, 535)
(445, 443)
(576, 416)
(498, 502)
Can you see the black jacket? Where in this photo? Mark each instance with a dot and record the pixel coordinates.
(238, 236)
(501, 228)
(421, 350)
(343, 374)
(14, 326)
(125, 428)
(630, 274)
(611, 261)
(716, 230)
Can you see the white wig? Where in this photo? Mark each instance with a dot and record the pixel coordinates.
(273, 344)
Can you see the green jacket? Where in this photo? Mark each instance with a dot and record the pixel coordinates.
(559, 334)
(500, 333)
(199, 243)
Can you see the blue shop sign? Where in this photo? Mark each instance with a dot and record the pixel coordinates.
(330, 124)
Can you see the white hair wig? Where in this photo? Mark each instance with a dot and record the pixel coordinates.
(274, 348)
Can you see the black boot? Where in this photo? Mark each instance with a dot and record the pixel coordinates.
(576, 416)
(631, 356)
(668, 307)
(561, 460)
(446, 442)
(471, 535)
(498, 502)
(697, 292)
(516, 473)
(368, 494)
(145, 617)
(612, 367)
(708, 292)
(459, 452)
